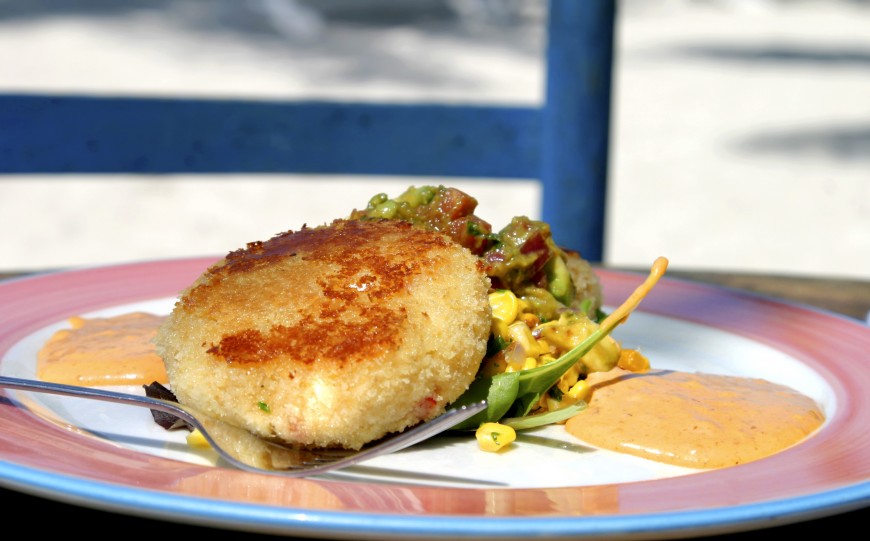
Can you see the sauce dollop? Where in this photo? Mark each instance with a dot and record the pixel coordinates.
(694, 420)
(104, 351)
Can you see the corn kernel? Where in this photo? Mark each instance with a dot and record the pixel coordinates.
(522, 305)
(580, 390)
(546, 359)
(493, 437)
(500, 329)
(196, 440)
(568, 379)
(504, 304)
(530, 363)
(633, 360)
(530, 319)
(553, 404)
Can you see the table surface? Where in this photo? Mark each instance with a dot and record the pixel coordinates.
(842, 296)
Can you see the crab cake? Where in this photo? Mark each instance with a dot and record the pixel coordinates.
(332, 336)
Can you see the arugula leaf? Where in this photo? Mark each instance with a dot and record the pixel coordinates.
(547, 418)
(499, 391)
(518, 392)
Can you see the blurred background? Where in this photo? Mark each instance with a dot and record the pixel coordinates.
(740, 142)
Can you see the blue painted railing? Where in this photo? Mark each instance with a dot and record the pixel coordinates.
(564, 143)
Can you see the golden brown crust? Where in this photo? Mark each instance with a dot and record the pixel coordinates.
(360, 279)
(304, 319)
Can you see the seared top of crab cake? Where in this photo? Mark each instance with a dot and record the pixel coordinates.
(331, 336)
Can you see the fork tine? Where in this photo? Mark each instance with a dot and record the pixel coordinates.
(405, 439)
(331, 453)
(316, 457)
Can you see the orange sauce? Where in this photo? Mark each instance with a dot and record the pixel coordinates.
(692, 419)
(104, 351)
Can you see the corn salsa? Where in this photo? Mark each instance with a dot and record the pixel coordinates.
(545, 299)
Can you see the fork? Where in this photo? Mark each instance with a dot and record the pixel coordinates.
(244, 450)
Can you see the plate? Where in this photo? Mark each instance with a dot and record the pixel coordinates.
(547, 486)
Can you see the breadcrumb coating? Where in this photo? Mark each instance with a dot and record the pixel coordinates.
(332, 336)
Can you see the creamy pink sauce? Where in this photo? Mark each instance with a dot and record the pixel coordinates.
(104, 351)
(693, 420)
